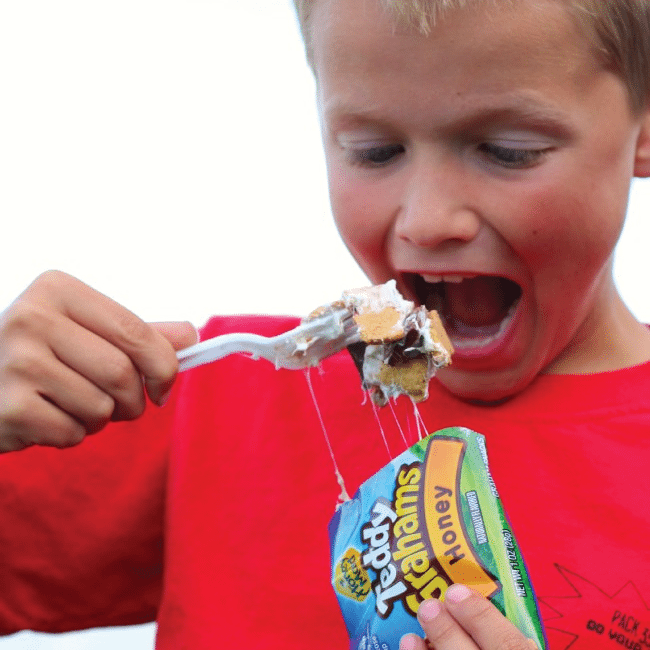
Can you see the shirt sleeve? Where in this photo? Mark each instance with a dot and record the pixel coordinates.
(81, 529)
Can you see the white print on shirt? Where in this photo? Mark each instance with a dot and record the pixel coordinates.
(591, 617)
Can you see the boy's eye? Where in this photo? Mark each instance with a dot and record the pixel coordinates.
(510, 156)
(377, 156)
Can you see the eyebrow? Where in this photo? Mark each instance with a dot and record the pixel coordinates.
(524, 107)
(519, 106)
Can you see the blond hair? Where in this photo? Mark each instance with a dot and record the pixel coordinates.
(618, 29)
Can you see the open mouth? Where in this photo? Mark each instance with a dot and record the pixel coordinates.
(475, 310)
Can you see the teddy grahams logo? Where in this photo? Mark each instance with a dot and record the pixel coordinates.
(589, 617)
(417, 544)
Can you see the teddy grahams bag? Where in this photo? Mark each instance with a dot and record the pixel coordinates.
(430, 518)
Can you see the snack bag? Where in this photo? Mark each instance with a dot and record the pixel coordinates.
(430, 518)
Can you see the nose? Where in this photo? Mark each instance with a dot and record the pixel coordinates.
(435, 206)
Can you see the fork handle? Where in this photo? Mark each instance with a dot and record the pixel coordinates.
(219, 347)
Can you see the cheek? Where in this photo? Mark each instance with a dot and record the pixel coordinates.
(567, 229)
(587, 202)
(363, 216)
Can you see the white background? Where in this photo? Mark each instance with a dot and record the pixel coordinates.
(167, 153)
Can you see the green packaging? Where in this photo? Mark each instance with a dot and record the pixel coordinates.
(430, 518)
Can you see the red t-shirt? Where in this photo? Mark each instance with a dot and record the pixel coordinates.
(210, 515)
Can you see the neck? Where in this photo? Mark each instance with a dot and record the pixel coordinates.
(611, 338)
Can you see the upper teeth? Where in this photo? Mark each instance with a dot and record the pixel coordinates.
(446, 278)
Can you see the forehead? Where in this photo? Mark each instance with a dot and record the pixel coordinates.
(361, 21)
(359, 46)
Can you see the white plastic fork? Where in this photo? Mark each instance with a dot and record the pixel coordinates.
(302, 347)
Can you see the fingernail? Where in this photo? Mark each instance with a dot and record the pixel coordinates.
(457, 593)
(408, 642)
(429, 609)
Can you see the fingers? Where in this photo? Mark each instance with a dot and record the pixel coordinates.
(90, 367)
(180, 336)
(412, 642)
(72, 359)
(490, 629)
(31, 420)
(150, 353)
(465, 621)
(442, 631)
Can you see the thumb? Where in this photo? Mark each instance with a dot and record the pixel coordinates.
(179, 334)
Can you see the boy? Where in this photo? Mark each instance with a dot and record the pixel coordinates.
(480, 153)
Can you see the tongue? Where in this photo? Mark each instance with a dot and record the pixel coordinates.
(479, 302)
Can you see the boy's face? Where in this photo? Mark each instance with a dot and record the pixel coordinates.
(486, 168)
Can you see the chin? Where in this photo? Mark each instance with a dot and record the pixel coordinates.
(489, 388)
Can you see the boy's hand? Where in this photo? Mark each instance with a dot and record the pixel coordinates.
(465, 621)
(72, 359)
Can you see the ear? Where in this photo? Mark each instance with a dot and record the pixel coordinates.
(642, 157)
